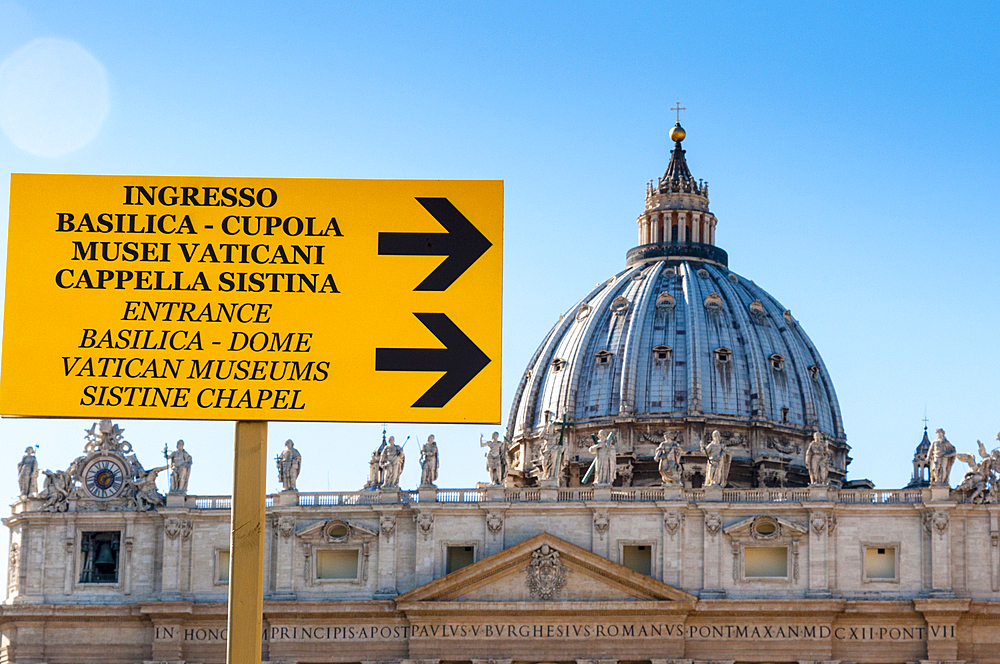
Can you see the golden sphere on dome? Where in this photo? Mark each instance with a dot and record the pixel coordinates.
(677, 133)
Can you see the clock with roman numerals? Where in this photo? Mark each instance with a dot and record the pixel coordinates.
(104, 478)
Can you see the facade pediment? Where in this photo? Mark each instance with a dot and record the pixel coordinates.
(545, 569)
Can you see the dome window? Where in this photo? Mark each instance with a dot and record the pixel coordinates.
(777, 362)
(670, 273)
(723, 355)
(661, 354)
(639, 276)
(713, 302)
(757, 308)
(619, 305)
(814, 371)
(733, 279)
(665, 301)
(558, 364)
(603, 358)
(583, 312)
(703, 273)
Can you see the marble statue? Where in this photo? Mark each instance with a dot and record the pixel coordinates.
(668, 460)
(27, 473)
(391, 463)
(428, 463)
(180, 469)
(718, 461)
(941, 456)
(549, 462)
(605, 458)
(496, 458)
(818, 459)
(375, 468)
(57, 490)
(980, 482)
(289, 463)
(147, 496)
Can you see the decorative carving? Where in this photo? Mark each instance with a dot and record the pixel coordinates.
(284, 526)
(831, 523)
(289, 462)
(172, 527)
(425, 521)
(783, 445)
(428, 463)
(818, 521)
(979, 484)
(601, 522)
(387, 525)
(546, 575)
(712, 523)
(494, 522)
(940, 521)
(818, 459)
(105, 436)
(187, 527)
(12, 562)
(672, 522)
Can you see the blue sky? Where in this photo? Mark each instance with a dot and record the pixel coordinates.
(851, 152)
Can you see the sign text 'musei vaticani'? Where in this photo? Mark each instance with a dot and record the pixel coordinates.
(253, 299)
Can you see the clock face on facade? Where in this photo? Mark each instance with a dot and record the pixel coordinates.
(104, 478)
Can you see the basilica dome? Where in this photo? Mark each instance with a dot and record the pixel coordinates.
(677, 345)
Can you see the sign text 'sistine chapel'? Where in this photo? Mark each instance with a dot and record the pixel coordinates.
(217, 298)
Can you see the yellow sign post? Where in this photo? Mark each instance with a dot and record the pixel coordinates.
(252, 300)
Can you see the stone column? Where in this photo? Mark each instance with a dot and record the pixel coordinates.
(942, 616)
(682, 226)
(425, 547)
(673, 552)
(819, 583)
(712, 579)
(494, 537)
(600, 534)
(657, 219)
(168, 641)
(994, 511)
(386, 586)
(70, 549)
(171, 575)
(284, 545)
(937, 521)
(696, 227)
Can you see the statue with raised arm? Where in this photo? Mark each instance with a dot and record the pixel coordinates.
(289, 463)
(977, 480)
(496, 458)
(940, 458)
(147, 496)
(27, 473)
(58, 487)
(605, 458)
(668, 460)
(718, 461)
(818, 459)
(180, 469)
(391, 462)
(428, 463)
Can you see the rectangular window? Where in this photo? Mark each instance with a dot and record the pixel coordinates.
(338, 564)
(99, 557)
(880, 563)
(459, 557)
(222, 567)
(762, 562)
(639, 558)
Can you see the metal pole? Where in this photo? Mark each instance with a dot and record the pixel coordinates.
(246, 544)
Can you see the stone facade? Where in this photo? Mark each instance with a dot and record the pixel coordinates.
(455, 575)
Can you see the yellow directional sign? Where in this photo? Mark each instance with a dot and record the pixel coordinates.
(253, 299)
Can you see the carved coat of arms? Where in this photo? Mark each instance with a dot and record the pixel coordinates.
(546, 573)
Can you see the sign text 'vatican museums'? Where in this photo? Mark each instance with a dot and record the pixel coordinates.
(253, 299)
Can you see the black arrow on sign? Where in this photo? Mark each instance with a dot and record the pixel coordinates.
(460, 359)
(463, 244)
